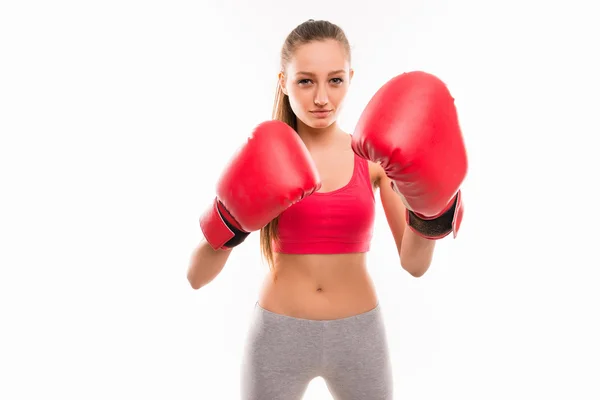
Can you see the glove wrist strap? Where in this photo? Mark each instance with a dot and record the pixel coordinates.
(219, 228)
(238, 235)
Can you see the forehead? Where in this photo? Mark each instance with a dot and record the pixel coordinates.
(319, 56)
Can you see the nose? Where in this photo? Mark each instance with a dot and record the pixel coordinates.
(321, 99)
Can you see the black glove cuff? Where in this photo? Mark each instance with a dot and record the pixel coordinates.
(436, 227)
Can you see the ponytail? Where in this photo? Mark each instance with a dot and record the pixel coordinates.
(282, 111)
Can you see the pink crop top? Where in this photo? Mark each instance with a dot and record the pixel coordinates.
(335, 222)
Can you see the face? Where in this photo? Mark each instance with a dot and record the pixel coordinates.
(316, 81)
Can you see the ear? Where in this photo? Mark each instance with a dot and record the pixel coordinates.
(351, 74)
(281, 77)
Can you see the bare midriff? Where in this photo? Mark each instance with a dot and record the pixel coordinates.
(318, 287)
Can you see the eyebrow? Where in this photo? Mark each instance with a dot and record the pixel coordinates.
(311, 74)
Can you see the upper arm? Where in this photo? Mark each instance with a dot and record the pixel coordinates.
(393, 207)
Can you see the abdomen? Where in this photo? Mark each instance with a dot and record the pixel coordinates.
(319, 286)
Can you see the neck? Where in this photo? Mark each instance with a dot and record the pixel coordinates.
(313, 137)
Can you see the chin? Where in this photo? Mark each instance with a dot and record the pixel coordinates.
(322, 124)
(318, 123)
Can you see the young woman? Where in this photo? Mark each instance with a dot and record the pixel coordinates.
(313, 199)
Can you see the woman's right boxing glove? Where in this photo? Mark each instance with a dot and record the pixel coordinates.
(269, 173)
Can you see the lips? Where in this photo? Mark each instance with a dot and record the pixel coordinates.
(321, 113)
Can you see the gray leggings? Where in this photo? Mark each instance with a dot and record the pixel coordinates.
(283, 354)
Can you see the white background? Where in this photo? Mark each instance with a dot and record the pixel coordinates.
(116, 118)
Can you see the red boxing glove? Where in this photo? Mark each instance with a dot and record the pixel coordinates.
(411, 128)
(269, 173)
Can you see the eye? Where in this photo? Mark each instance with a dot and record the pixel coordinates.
(303, 81)
(338, 81)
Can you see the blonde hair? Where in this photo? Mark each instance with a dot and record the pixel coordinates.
(304, 33)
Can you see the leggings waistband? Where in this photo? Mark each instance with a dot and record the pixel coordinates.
(275, 317)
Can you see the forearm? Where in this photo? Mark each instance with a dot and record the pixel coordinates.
(205, 264)
(416, 253)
